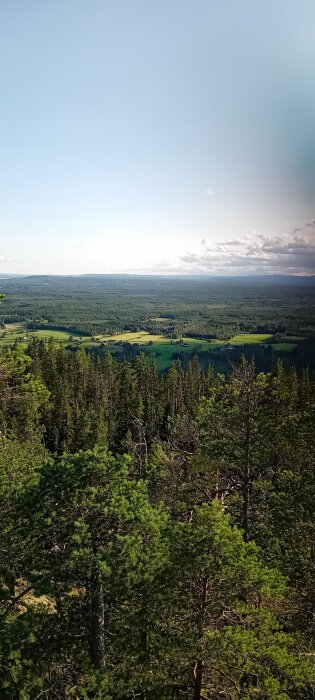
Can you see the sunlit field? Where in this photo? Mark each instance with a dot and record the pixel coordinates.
(250, 338)
(165, 350)
(19, 332)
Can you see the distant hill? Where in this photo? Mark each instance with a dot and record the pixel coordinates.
(292, 280)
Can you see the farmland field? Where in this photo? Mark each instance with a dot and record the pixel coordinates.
(219, 319)
(143, 338)
(11, 332)
(163, 348)
(19, 332)
(63, 336)
(250, 338)
(166, 351)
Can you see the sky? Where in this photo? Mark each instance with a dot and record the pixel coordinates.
(157, 136)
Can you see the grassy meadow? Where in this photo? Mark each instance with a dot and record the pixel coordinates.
(250, 338)
(19, 332)
(163, 348)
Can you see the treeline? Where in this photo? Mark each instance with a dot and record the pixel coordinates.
(157, 533)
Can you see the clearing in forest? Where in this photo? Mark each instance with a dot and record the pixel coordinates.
(250, 338)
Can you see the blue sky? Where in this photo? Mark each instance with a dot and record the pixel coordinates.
(157, 136)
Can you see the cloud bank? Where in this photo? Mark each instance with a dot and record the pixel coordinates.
(292, 254)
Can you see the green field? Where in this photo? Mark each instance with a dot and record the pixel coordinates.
(162, 347)
(12, 332)
(57, 335)
(18, 331)
(250, 338)
(164, 351)
(140, 337)
(143, 338)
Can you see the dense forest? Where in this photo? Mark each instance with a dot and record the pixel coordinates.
(157, 531)
(196, 306)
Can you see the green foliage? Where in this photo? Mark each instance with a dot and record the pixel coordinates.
(229, 616)
(181, 570)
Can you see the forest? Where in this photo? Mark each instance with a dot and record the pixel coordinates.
(203, 306)
(217, 317)
(157, 530)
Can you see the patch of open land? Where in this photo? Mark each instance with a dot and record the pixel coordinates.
(163, 348)
(250, 338)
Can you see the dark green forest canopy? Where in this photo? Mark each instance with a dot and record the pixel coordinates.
(157, 532)
(205, 306)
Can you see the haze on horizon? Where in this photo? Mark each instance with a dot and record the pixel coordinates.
(167, 137)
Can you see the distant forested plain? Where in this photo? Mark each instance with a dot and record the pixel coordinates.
(171, 317)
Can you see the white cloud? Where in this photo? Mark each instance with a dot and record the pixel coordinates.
(249, 254)
(257, 254)
(4, 259)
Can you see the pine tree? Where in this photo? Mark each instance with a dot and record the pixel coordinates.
(226, 608)
(96, 543)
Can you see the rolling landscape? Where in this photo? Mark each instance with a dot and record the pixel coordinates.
(157, 350)
(156, 490)
(168, 318)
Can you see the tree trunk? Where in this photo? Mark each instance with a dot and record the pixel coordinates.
(97, 618)
(247, 474)
(198, 680)
(245, 523)
(198, 671)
